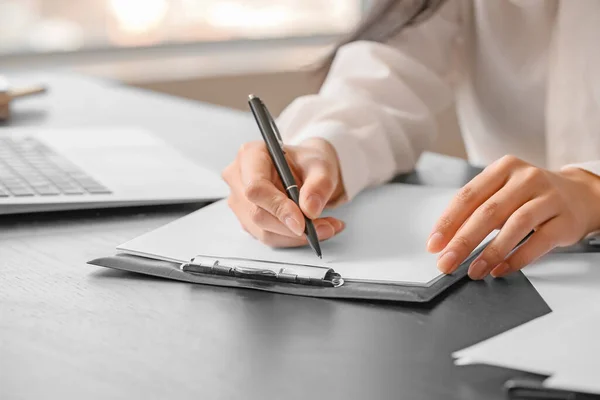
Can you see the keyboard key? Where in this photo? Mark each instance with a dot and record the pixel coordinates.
(59, 180)
(74, 191)
(84, 180)
(46, 190)
(98, 190)
(11, 181)
(14, 185)
(21, 192)
(38, 182)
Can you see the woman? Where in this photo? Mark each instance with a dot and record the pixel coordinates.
(525, 78)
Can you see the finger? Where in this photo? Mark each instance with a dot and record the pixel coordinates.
(265, 195)
(493, 212)
(320, 181)
(466, 201)
(243, 210)
(255, 163)
(541, 242)
(248, 218)
(267, 222)
(228, 172)
(337, 224)
(258, 216)
(324, 228)
(530, 216)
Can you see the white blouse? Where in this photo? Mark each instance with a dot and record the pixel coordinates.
(524, 76)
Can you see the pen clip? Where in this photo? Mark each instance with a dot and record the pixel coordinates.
(274, 127)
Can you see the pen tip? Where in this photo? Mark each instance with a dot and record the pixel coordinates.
(251, 96)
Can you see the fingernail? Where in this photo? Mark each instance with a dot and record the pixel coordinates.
(435, 242)
(447, 262)
(325, 230)
(294, 226)
(500, 270)
(314, 204)
(338, 225)
(478, 269)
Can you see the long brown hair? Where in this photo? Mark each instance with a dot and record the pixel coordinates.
(385, 19)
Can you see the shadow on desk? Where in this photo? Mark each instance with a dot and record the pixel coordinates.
(53, 217)
(109, 219)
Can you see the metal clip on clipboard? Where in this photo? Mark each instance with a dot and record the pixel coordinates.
(263, 270)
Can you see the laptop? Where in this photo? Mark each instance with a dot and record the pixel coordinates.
(72, 169)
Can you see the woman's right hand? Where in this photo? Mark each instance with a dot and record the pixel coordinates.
(259, 201)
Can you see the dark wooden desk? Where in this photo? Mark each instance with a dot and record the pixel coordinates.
(69, 330)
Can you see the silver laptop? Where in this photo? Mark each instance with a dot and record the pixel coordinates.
(68, 169)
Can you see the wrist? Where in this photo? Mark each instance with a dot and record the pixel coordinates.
(590, 194)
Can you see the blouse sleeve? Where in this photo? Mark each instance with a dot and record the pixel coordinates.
(379, 102)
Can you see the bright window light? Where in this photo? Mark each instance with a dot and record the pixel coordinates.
(66, 25)
(139, 15)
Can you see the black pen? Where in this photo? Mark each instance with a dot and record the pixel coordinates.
(274, 143)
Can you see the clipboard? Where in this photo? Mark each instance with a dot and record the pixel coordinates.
(331, 286)
(368, 261)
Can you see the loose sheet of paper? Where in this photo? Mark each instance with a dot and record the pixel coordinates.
(384, 241)
(563, 279)
(563, 344)
(515, 349)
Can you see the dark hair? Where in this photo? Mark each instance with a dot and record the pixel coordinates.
(385, 19)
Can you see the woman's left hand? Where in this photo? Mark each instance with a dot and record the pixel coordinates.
(561, 207)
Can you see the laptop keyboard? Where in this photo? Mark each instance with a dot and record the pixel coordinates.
(30, 168)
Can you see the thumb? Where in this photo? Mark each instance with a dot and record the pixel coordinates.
(320, 182)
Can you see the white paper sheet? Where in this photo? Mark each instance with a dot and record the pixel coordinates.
(577, 378)
(564, 279)
(516, 348)
(563, 344)
(384, 241)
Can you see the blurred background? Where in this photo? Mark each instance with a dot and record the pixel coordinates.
(45, 26)
(216, 51)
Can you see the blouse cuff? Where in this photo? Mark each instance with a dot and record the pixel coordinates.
(590, 166)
